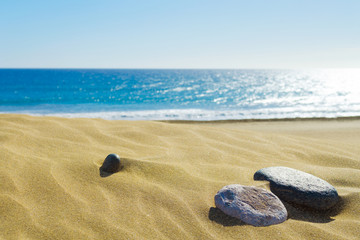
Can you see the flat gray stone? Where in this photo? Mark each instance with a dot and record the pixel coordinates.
(252, 205)
(298, 187)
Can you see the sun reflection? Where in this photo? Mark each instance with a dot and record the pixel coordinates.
(342, 84)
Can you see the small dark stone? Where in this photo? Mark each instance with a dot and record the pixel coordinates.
(111, 164)
(299, 187)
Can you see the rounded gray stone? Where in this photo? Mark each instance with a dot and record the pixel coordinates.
(252, 205)
(111, 164)
(299, 187)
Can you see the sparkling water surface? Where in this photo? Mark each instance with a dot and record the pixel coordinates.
(181, 94)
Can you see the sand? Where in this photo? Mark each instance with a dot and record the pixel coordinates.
(50, 186)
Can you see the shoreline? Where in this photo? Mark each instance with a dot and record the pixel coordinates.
(297, 119)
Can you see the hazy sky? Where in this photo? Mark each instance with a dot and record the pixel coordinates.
(180, 34)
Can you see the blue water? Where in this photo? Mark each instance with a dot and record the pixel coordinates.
(181, 94)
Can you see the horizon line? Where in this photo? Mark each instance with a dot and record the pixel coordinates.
(166, 68)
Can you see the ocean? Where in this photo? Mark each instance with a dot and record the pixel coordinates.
(155, 94)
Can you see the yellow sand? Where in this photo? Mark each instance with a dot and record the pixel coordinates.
(50, 187)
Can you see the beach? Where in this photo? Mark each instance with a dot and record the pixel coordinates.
(51, 187)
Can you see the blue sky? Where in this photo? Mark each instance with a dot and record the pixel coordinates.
(180, 34)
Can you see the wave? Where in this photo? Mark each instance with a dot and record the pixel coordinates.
(202, 114)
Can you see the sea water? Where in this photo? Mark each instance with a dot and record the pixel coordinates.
(151, 94)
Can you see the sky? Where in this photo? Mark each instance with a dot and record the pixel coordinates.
(180, 34)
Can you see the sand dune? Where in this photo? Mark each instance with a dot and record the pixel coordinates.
(51, 187)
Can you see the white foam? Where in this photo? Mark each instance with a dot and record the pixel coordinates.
(206, 115)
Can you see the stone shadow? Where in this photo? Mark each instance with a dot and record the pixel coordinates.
(306, 214)
(216, 215)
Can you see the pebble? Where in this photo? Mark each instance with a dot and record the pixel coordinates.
(112, 164)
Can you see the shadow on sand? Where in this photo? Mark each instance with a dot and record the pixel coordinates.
(301, 213)
(216, 215)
